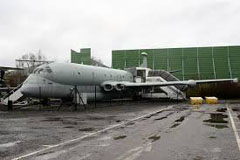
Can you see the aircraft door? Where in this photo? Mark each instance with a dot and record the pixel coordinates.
(142, 75)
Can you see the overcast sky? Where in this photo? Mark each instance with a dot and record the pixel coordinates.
(56, 26)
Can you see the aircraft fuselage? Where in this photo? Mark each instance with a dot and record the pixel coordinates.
(56, 80)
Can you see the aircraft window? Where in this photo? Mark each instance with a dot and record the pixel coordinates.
(79, 73)
(40, 70)
(35, 70)
(48, 69)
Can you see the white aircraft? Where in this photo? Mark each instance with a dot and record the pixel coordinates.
(57, 80)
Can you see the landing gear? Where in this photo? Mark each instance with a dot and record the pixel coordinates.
(77, 98)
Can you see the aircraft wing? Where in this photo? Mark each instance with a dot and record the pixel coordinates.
(150, 84)
(174, 83)
(110, 85)
(9, 68)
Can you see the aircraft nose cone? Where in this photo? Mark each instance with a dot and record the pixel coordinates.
(26, 90)
(23, 90)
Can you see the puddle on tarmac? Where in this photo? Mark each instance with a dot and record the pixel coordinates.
(4, 132)
(151, 115)
(58, 119)
(86, 129)
(198, 158)
(154, 138)
(41, 154)
(130, 123)
(119, 137)
(235, 109)
(69, 127)
(91, 117)
(175, 125)
(169, 114)
(221, 109)
(154, 114)
(212, 137)
(218, 126)
(180, 119)
(217, 118)
(178, 122)
(157, 119)
(69, 122)
(52, 119)
(181, 108)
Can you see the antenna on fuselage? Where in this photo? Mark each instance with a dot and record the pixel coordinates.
(144, 55)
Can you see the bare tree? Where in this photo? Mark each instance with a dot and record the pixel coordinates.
(30, 61)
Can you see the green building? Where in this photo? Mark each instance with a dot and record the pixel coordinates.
(193, 63)
(82, 57)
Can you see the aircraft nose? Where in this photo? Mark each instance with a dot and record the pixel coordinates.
(24, 90)
(27, 90)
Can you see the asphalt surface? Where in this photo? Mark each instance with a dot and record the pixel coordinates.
(123, 131)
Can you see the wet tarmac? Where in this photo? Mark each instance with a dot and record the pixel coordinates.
(126, 131)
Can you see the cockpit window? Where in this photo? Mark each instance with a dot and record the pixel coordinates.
(40, 70)
(35, 70)
(47, 69)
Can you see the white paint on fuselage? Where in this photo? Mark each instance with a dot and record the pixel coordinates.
(76, 74)
(64, 76)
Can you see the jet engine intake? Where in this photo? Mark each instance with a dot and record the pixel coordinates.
(119, 87)
(107, 87)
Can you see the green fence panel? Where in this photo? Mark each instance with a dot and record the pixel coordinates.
(160, 59)
(234, 60)
(190, 63)
(205, 63)
(194, 63)
(220, 55)
(175, 61)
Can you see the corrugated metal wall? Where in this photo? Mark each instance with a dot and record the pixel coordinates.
(194, 62)
(82, 57)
